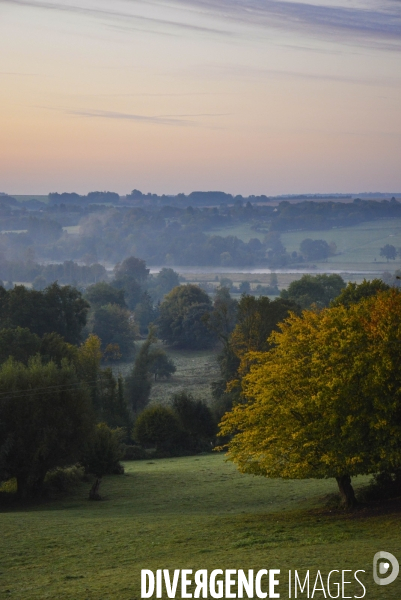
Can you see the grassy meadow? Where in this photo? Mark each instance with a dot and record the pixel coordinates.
(193, 512)
(358, 247)
(196, 369)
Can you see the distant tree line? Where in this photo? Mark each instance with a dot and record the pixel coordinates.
(175, 235)
(91, 198)
(326, 215)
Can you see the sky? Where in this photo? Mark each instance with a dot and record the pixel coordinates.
(244, 96)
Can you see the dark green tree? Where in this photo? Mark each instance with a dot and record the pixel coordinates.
(182, 321)
(196, 419)
(103, 293)
(19, 343)
(162, 366)
(66, 312)
(45, 419)
(244, 287)
(138, 383)
(102, 455)
(315, 249)
(223, 317)
(131, 289)
(159, 427)
(54, 348)
(388, 251)
(256, 319)
(134, 268)
(56, 309)
(314, 289)
(113, 325)
(113, 408)
(355, 292)
(145, 312)
(161, 284)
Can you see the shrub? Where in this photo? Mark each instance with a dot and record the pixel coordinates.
(159, 427)
(9, 486)
(134, 452)
(62, 480)
(384, 485)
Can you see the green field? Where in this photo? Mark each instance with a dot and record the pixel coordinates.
(358, 247)
(25, 197)
(194, 513)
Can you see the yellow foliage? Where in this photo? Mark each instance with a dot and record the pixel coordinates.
(9, 486)
(89, 357)
(325, 400)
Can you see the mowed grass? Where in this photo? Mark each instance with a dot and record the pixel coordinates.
(185, 513)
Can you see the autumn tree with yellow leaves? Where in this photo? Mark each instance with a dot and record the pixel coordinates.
(325, 399)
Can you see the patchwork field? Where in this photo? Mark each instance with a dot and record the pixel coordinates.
(194, 513)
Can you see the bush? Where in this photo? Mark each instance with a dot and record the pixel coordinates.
(383, 486)
(9, 486)
(62, 480)
(160, 428)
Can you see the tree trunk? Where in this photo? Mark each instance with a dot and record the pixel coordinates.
(347, 491)
(94, 491)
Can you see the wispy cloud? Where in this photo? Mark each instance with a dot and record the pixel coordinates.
(112, 13)
(181, 119)
(382, 23)
(106, 114)
(220, 71)
(378, 26)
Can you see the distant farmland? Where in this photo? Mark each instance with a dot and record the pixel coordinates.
(357, 247)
